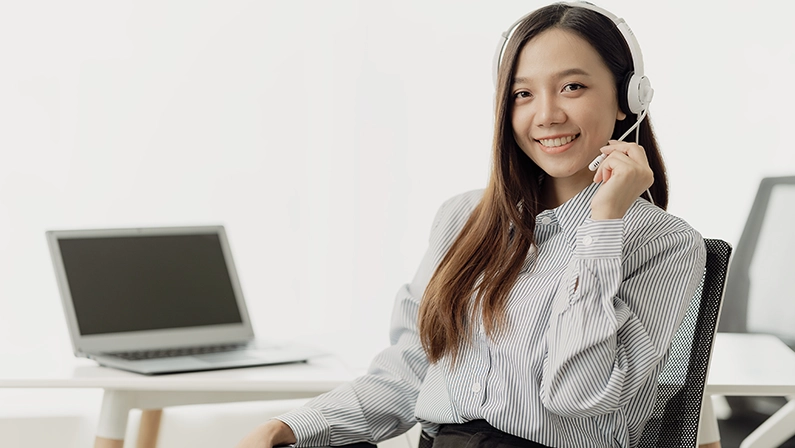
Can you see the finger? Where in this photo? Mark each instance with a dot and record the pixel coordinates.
(606, 170)
(621, 156)
(597, 177)
(632, 161)
(607, 149)
(598, 174)
(633, 150)
(620, 149)
(620, 165)
(607, 173)
(614, 145)
(601, 175)
(612, 153)
(613, 149)
(638, 153)
(617, 162)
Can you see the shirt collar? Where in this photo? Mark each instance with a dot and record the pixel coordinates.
(571, 214)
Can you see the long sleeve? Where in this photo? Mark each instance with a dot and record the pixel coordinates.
(620, 302)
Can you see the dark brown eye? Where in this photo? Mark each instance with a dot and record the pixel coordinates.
(572, 87)
(522, 94)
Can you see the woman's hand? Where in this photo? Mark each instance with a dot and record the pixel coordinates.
(267, 435)
(624, 174)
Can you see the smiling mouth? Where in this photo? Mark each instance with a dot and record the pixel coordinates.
(555, 142)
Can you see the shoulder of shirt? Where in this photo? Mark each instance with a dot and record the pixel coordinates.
(454, 212)
(646, 221)
(466, 200)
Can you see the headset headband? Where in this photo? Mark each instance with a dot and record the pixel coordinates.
(638, 87)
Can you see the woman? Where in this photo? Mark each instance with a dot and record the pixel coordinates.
(545, 304)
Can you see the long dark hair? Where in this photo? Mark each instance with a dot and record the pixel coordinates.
(486, 257)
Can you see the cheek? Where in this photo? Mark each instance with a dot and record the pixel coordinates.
(609, 125)
(515, 122)
(601, 126)
(519, 125)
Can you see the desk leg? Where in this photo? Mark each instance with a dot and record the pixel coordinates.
(149, 427)
(775, 430)
(116, 407)
(102, 442)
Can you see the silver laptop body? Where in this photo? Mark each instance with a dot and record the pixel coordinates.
(157, 300)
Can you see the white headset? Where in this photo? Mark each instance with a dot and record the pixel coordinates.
(638, 92)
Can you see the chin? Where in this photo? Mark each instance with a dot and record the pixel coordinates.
(562, 173)
(582, 173)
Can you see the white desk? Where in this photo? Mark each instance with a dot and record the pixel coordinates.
(756, 365)
(124, 391)
(742, 364)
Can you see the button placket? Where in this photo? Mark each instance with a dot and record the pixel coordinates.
(478, 388)
(473, 388)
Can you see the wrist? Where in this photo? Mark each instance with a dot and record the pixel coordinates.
(278, 432)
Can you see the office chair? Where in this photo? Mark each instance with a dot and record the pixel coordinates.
(675, 419)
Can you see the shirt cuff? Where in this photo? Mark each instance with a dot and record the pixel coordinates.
(600, 238)
(309, 426)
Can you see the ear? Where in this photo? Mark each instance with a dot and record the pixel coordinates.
(620, 115)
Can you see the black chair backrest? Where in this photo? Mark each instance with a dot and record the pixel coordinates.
(674, 421)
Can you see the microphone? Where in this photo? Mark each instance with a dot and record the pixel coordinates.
(601, 157)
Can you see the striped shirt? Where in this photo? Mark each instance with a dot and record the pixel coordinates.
(590, 319)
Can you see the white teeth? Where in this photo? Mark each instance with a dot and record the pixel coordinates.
(551, 143)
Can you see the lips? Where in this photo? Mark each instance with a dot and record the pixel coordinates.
(557, 144)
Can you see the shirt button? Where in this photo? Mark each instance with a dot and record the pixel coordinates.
(475, 388)
(546, 220)
(587, 240)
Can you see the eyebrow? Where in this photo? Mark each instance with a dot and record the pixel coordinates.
(561, 74)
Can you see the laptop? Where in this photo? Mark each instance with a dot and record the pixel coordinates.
(158, 300)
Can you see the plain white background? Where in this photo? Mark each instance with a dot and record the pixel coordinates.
(324, 135)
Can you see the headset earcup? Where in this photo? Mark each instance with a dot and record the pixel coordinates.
(624, 92)
(638, 93)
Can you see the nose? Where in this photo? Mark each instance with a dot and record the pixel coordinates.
(549, 112)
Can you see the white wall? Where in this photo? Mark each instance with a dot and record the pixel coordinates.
(325, 134)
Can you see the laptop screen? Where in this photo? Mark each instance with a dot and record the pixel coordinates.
(135, 283)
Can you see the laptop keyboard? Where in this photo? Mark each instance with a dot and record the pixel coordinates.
(173, 352)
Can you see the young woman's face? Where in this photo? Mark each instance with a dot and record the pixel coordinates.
(564, 104)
